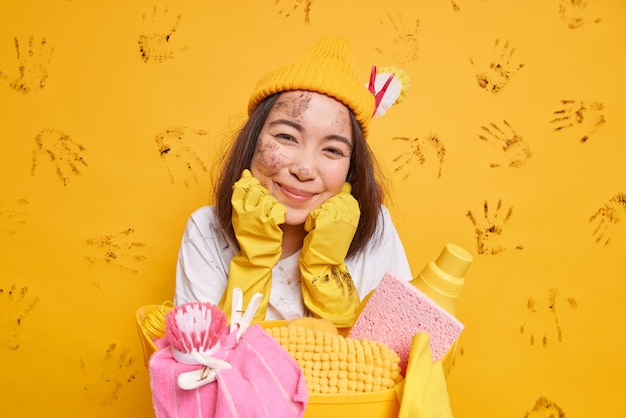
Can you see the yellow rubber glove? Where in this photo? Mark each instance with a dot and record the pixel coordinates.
(423, 393)
(327, 287)
(256, 220)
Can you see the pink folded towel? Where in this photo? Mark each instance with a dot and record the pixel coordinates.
(264, 381)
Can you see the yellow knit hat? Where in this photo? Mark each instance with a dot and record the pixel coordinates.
(326, 68)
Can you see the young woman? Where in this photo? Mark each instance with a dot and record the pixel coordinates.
(298, 214)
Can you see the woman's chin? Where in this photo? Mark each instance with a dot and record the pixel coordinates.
(295, 217)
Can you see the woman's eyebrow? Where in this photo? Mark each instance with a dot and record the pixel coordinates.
(288, 122)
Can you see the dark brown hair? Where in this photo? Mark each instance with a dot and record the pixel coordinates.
(363, 175)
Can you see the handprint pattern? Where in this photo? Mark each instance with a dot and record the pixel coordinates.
(573, 13)
(16, 306)
(500, 70)
(587, 117)
(116, 250)
(287, 7)
(62, 151)
(545, 408)
(156, 41)
(544, 323)
(608, 217)
(490, 229)
(404, 42)
(29, 97)
(421, 151)
(515, 150)
(119, 369)
(32, 66)
(175, 148)
(12, 215)
(455, 6)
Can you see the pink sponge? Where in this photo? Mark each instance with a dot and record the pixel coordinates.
(397, 311)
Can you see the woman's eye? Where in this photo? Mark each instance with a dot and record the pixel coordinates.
(285, 137)
(335, 152)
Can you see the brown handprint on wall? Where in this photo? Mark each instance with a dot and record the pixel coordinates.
(32, 66)
(545, 408)
(176, 148)
(586, 117)
(544, 320)
(287, 7)
(575, 12)
(422, 151)
(12, 215)
(515, 150)
(455, 6)
(404, 41)
(500, 69)
(116, 249)
(156, 43)
(15, 306)
(106, 381)
(608, 217)
(62, 151)
(489, 230)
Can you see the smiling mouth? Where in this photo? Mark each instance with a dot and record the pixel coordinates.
(295, 194)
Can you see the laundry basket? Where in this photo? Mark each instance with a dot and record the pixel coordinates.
(381, 404)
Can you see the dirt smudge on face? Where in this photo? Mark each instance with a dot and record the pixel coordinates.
(340, 120)
(295, 104)
(267, 155)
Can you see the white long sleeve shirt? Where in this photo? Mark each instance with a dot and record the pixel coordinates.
(205, 254)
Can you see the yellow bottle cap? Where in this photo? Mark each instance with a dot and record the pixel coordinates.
(447, 271)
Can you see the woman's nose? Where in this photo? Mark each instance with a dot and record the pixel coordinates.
(304, 168)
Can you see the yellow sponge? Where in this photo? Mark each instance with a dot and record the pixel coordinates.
(315, 324)
(334, 364)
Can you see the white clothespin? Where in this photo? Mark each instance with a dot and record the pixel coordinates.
(240, 320)
(196, 378)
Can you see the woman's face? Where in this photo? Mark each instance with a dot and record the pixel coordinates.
(302, 155)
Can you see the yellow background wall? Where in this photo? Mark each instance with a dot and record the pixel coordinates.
(511, 144)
